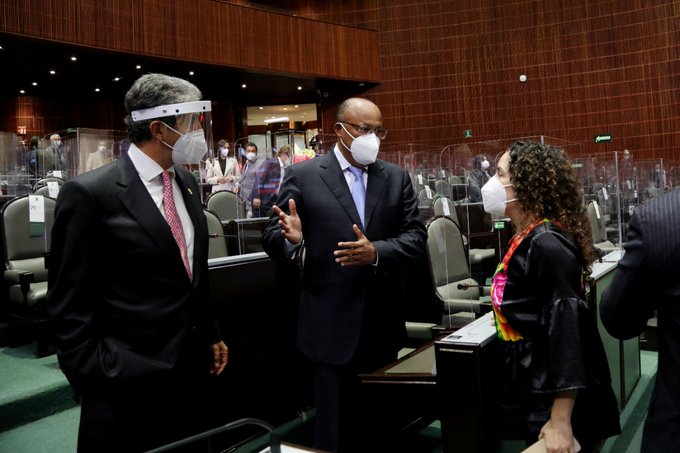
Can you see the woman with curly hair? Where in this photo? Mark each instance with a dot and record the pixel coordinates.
(556, 383)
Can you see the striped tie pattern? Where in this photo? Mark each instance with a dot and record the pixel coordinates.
(173, 219)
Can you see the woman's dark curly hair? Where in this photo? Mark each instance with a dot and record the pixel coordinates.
(545, 185)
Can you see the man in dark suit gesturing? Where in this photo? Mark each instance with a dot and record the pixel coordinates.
(647, 280)
(129, 296)
(357, 219)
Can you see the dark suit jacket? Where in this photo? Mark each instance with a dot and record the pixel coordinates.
(266, 185)
(335, 301)
(646, 280)
(119, 298)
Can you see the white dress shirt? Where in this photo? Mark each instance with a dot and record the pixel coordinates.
(150, 174)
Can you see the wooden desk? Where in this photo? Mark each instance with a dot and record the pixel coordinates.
(458, 391)
(407, 384)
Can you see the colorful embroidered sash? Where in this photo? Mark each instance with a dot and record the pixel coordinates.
(500, 278)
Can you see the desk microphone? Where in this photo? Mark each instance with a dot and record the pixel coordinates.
(217, 235)
(465, 286)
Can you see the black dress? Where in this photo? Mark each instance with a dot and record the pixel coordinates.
(560, 349)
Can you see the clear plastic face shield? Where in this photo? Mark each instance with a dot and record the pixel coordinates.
(193, 126)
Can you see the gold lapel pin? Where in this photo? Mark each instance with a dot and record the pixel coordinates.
(190, 192)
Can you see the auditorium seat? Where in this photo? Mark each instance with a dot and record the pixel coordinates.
(449, 265)
(25, 245)
(425, 196)
(227, 205)
(217, 247)
(443, 187)
(43, 182)
(482, 258)
(598, 229)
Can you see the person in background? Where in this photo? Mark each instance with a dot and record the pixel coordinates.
(129, 297)
(556, 382)
(32, 155)
(645, 283)
(267, 182)
(248, 174)
(478, 177)
(52, 157)
(356, 218)
(99, 158)
(223, 172)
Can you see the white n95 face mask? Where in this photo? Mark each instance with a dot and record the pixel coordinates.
(494, 197)
(189, 148)
(364, 148)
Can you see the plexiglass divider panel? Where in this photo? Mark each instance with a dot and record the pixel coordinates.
(17, 164)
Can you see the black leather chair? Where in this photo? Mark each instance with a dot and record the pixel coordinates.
(25, 246)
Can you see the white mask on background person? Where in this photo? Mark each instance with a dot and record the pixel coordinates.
(251, 156)
(57, 143)
(224, 152)
(189, 148)
(364, 148)
(485, 164)
(494, 197)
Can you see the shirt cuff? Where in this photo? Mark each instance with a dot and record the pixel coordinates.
(290, 249)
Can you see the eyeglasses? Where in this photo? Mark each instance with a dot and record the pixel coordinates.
(363, 130)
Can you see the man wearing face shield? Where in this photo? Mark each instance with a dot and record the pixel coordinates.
(129, 296)
(357, 219)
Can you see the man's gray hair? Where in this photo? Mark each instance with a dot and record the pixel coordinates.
(152, 90)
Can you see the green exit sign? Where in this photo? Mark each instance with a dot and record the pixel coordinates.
(499, 225)
(602, 138)
(467, 133)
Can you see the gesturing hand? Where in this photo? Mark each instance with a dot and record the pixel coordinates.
(358, 253)
(290, 224)
(220, 354)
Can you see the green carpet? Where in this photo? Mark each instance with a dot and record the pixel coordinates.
(31, 388)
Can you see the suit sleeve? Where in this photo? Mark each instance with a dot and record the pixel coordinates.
(71, 299)
(260, 175)
(272, 239)
(624, 308)
(409, 242)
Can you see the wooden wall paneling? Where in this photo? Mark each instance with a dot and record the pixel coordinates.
(201, 31)
(592, 67)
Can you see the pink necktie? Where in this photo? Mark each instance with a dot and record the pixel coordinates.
(173, 219)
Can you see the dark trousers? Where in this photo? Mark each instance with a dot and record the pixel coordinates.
(344, 423)
(146, 413)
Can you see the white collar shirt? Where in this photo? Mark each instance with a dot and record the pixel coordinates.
(150, 173)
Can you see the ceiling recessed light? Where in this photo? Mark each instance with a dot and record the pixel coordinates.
(53, 72)
(297, 106)
(35, 84)
(22, 91)
(191, 72)
(96, 90)
(243, 85)
(139, 66)
(361, 84)
(116, 79)
(276, 120)
(299, 88)
(74, 58)
(285, 108)
(261, 108)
